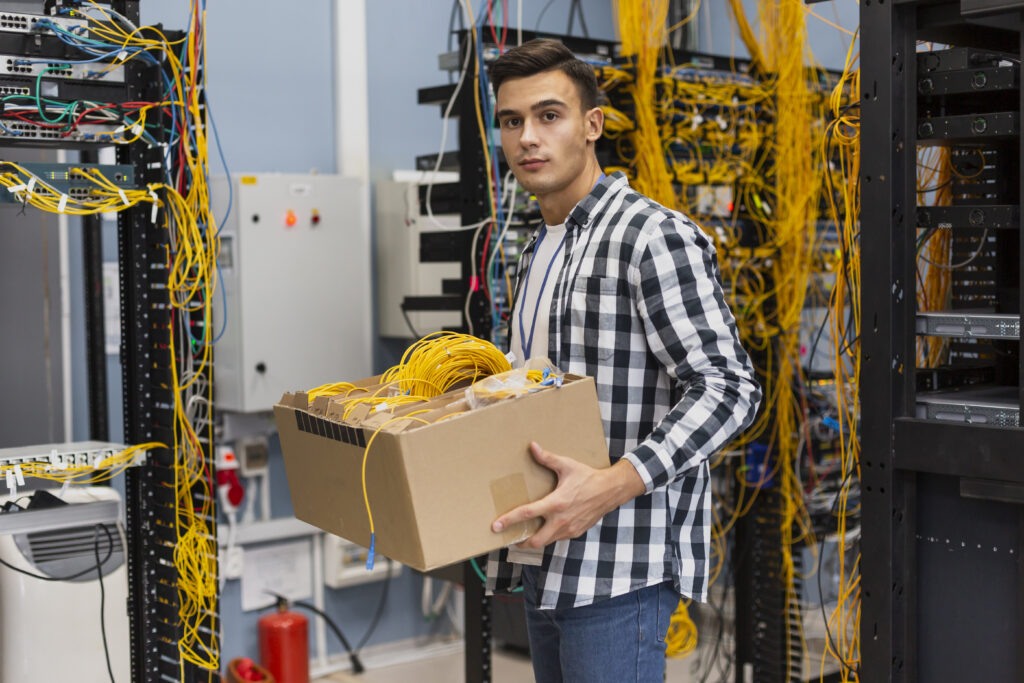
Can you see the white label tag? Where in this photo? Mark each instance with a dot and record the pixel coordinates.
(64, 487)
(124, 197)
(122, 55)
(15, 188)
(31, 184)
(12, 484)
(62, 204)
(18, 475)
(137, 129)
(156, 201)
(511, 358)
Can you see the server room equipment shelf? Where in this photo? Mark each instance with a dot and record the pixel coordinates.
(966, 324)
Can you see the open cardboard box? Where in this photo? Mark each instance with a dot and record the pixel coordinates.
(434, 489)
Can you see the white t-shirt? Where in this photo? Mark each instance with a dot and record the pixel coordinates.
(534, 303)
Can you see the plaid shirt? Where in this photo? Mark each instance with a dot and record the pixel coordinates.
(638, 306)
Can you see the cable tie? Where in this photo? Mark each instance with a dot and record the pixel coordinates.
(31, 184)
(18, 475)
(156, 201)
(124, 197)
(62, 204)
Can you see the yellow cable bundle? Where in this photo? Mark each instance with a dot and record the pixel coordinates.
(439, 361)
(642, 31)
(934, 274)
(844, 140)
(681, 639)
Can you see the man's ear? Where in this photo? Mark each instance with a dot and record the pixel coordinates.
(594, 119)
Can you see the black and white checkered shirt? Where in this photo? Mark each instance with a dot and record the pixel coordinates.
(638, 306)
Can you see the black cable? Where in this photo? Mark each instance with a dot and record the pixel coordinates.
(103, 594)
(573, 6)
(110, 551)
(541, 16)
(380, 610)
(405, 314)
(357, 664)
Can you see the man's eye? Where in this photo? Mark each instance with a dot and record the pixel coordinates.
(511, 123)
(550, 116)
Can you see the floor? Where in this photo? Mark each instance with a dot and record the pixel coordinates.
(509, 667)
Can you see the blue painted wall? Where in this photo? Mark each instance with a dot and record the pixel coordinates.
(270, 87)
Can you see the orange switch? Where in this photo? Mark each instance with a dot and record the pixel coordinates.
(290, 219)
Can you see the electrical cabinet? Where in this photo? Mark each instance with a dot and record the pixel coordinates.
(293, 311)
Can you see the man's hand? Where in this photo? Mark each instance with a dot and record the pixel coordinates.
(582, 497)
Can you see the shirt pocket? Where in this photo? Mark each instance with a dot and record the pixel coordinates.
(594, 305)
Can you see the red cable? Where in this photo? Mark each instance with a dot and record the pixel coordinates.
(504, 25)
(490, 20)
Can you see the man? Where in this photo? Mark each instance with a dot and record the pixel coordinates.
(619, 288)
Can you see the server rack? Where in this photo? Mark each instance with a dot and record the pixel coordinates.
(146, 388)
(943, 524)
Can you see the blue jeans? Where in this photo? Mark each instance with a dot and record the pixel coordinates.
(617, 640)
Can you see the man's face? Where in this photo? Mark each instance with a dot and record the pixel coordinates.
(545, 133)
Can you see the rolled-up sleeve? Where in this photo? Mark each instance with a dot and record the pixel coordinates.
(691, 331)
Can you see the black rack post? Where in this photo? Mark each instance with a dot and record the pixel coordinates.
(95, 344)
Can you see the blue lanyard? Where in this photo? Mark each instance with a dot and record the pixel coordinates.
(527, 342)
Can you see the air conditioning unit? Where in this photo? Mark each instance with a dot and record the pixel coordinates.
(50, 630)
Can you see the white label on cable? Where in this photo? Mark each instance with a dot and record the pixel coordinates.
(137, 129)
(64, 487)
(124, 197)
(15, 188)
(12, 484)
(152, 215)
(18, 475)
(511, 358)
(122, 55)
(31, 184)
(63, 203)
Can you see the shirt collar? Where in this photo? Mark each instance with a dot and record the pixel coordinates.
(584, 212)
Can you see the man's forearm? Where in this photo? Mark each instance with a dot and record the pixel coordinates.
(623, 483)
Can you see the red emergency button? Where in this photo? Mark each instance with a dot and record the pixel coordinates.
(290, 219)
(315, 218)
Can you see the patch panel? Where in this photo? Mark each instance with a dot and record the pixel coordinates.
(13, 22)
(67, 178)
(18, 65)
(86, 132)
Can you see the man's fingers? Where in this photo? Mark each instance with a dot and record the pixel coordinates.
(541, 538)
(546, 458)
(520, 514)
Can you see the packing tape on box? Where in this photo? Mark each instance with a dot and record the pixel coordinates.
(508, 493)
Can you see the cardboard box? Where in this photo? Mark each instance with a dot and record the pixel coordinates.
(434, 489)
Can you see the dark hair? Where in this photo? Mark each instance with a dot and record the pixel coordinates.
(543, 54)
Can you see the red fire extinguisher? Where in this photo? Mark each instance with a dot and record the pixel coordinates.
(284, 644)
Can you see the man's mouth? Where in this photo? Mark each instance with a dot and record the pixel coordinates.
(532, 164)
